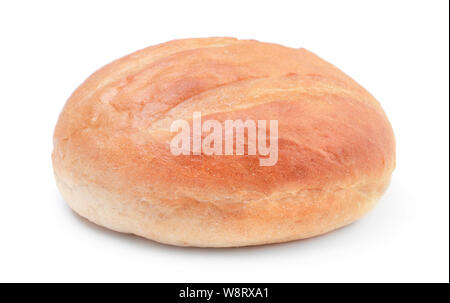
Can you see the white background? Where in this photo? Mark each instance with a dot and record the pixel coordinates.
(398, 50)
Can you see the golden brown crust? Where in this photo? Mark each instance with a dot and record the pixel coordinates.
(111, 145)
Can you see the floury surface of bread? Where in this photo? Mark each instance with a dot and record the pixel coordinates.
(113, 165)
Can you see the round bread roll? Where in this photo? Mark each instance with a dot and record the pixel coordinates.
(112, 145)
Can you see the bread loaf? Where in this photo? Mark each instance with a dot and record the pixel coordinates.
(114, 165)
